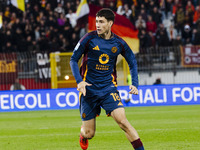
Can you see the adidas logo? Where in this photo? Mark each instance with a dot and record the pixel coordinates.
(120, 104)
(96, 48)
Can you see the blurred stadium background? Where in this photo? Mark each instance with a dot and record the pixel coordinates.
(37, 38)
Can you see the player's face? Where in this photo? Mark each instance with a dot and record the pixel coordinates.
(103, 25)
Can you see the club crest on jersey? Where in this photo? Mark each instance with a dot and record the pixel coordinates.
(96, 48)
(114, 49)
(83, 115)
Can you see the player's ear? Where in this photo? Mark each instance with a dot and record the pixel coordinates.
(110, 23)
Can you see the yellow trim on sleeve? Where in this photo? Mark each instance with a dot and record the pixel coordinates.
(85, 74)
(113, 81)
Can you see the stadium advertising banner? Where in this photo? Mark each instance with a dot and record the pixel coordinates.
(43, 63)
(190, 56)
(188, 94)
(8, 68)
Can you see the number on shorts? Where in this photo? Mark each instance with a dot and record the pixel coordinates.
(115, 96)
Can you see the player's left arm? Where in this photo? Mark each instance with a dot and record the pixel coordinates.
(132, 62)
(133, 90)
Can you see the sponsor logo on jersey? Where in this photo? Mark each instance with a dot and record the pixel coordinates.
(114, 49)
(103, 58)
(96, 48)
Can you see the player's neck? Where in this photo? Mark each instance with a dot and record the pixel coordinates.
(106, 35)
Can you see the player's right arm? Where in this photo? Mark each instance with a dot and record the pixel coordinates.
(77, 53)
(81, 87)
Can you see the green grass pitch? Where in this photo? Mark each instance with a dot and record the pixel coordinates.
(160, 128)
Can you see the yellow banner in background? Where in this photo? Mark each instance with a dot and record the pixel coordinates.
(20, 4)
(7, 67)
(1, 21)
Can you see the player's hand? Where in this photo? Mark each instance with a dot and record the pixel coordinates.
(133, 90)
(81, 87)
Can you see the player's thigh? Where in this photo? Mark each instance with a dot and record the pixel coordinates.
(89, 124)
(119, 115)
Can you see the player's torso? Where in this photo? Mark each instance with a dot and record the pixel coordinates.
(102, 56)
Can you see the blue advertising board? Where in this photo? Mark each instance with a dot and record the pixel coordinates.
(182, 94)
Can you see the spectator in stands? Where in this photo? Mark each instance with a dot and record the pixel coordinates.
(17, 86)
(13, 18)
(151, 7)
(188, 19)
(108, 2)
(179, 18)
(172, 34)
(67, 7)
(144, 39)
(112, 6)
(134, 14)
(157, 82)
(47, 9)
(161, 36)
(51, 22)
(68, 30)
(65, 47)
(151, 39)
(101, 3)
(195, 37)
(8, 48)
(127, 11)
(61, 20)
(124, 10)
(54, 45)
(140, 23)
(190, 8)
(168, 8)
(151, 25)
(187, 35)
(34, 47)
(43, 43)
(196, 15)
(197, 25)
(41, 23)
(196, 3)
(37, 33)
(41, 16)
(177, 41)
(7, 14)
(74, 40)
(83, 31)
(8, 36)
(19, 40)
(143, 14)
(29, 43)
(156, 15)
(175, 7)
(72, 18)
(16, 25)
(120, 10)
(59, 9)
(35, 11)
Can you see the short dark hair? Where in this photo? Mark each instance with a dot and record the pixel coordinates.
(107, 13)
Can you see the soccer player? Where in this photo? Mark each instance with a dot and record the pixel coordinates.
(96, 80)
